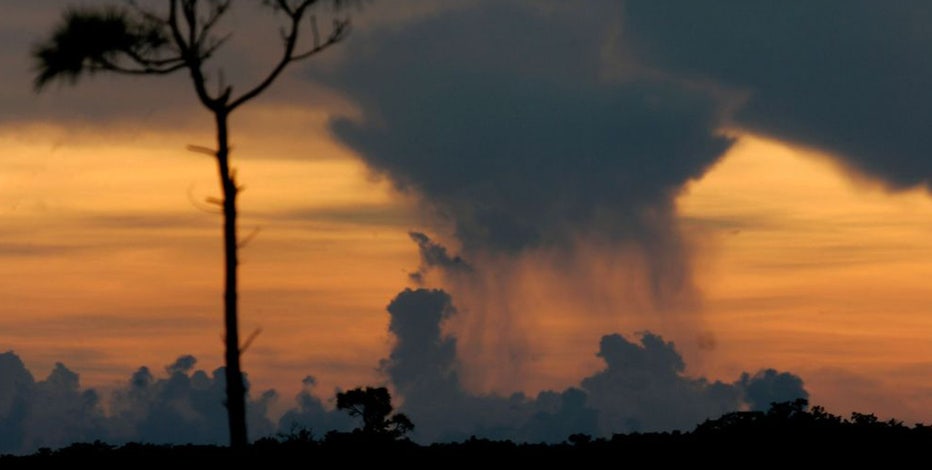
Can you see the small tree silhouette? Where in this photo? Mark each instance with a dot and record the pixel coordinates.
(138, 41)
(374, 405)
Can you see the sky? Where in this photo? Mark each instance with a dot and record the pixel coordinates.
(527, 219)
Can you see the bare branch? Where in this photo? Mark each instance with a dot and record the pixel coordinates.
(338, 33)
(105, 64)
(248, 238)
(285, 7)
(249, 340)
(202, 149)
(192, 57)
(175, 29)
(197, 205)
(189, 9)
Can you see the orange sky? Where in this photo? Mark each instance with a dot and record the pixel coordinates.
(110, 264)
(812, 271)
(110, 258)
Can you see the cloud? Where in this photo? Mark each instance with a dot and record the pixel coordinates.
(184, 407)
(434, 255)
(509, 130)
(424, 370)
(15, 392)
(851, 78)
(641, 388)
(187, 406)
(423, 358)
(26, 250)
(48, 413)
(363, 215)
(312, 415)
(500, 118)
(770, 386)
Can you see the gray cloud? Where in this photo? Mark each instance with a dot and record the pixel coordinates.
(187, 406)
(435, 255)
(770, 386)
(312, 415)
(849, 77)
(15, 391)
(499, 117)
(184, 407)
(641, 388)
(48, 413)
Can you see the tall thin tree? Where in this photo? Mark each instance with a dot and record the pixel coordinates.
(137, 41)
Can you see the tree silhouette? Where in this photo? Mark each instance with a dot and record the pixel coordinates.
(374, 405)
(137, 41)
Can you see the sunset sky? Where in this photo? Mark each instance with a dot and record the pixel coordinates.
(749, 180)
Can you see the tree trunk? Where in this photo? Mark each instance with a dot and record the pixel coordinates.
(235, 386)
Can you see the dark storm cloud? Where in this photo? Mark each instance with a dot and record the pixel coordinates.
(641, 388)
(849, 77)
(434, 255)
(424, 370)
(422, 357)
(500, 118)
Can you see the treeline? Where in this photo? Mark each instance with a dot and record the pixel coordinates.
(788, 433)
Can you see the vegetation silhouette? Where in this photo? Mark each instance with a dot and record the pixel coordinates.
(139, 41)
(374, 405)
(788, 433)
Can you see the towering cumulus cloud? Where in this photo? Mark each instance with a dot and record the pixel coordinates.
(508, 122)
(641, 387)
(512, 130)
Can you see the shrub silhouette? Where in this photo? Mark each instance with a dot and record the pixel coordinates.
(374, 405)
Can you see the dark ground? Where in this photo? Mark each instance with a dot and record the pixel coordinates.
(787, 435)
